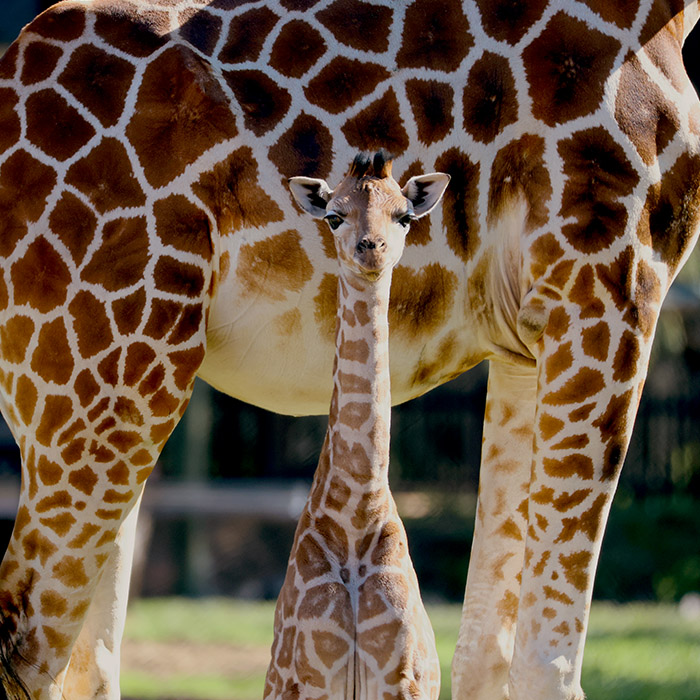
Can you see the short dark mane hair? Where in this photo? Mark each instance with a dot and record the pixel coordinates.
(366, 165)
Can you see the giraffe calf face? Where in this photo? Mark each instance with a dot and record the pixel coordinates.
(368, 212)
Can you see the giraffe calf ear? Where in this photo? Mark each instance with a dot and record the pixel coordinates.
(311, 195)
(424, 191)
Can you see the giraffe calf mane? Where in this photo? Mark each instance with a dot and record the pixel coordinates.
(367, 165)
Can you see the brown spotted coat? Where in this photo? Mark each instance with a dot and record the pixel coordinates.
(145, 237)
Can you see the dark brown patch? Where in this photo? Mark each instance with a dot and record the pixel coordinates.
(247, 34)
(39, 61)
(626, 357)
(181, 112)
(297, 48)
(306, 148)
(86, 388)
(490, 100)
(40, 278)
(459, 203)
(122, 258)
(362, 25)
(25, 398)
(274, 266)
(519, 170)
(189, 323)
(559, 361)
(567, 66)
(53, 359)
(644, 114)
(8, 62)
(128, 311)
(583, 293)
(201, 29)
(99, 81)
(598, 174)
(108, 367)
(420, 301)
(15, 335)
(132, 29)
(62, 23)
(90, 323)
(25, 183)
(672, 210)
(54, 126)
(232, 193)
(435, 35)
(176, 277)
(262, 101)
(74, 223)
(185, 364)
(617, 277)
(164, 314)
(36, 545)
(378, 126)
(343, 82)
(181, 224)
(57, 411)
(595, 341)
(613, 422)
(509, 20)
(10, 127)
(432, 103)
(106, 178)
(622, 12)
(545, 251)
(585, 383)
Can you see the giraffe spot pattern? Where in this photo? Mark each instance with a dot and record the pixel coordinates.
(201, 29)
(231, 192)
(10, 126)
(566, 67)
(598, 176)
(138, 33)
(432, 103)
(436, 35)
(509, 20)
(304, 149)
(377, 126)
(262, 101)
(297, 49)
(55, 126)
(361, 25)
(99, 81)
(104, 172)
(40, 59)
(490, 100)
(74, 224)
(175, 99)
(247, 33)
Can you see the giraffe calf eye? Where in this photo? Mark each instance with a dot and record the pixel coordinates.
(334, 220)
(406, 219)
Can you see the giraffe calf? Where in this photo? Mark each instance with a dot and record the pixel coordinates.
(350, 622)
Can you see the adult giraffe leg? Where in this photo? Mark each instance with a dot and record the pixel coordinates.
(590, 375)
(485, 646)
(90, 431)
(93, 671)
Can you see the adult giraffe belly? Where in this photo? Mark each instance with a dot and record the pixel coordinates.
(270, 334)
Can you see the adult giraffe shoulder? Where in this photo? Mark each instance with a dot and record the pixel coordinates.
(146, 237)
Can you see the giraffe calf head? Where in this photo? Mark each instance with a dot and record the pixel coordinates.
(368, 212)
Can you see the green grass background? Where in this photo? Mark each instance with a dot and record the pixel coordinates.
(634, 651)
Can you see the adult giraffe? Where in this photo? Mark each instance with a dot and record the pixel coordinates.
(147, 237)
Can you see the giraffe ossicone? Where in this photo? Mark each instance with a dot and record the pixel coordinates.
(147, 237)
(350, 622)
